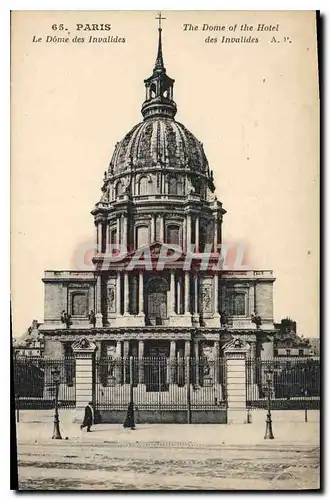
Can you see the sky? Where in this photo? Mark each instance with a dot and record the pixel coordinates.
(254, 106)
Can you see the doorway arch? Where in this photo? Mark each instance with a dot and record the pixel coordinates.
(156, 302)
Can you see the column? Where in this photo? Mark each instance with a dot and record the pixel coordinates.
(152, 229)
(99, 237)
(195, 294)
(118, 232)
(184, 235)
(134, 302)
(108, 238)
(118, 294)
(251, 300)
(253, 370)
(215, 241)
(98, 315)
(188, 231)
(126, 349)
(126, 361)
(197, 235)
(187, 360)
(83, 351)
(118, 363)
(171, 296)
(187, 349)
(126, 294)
(196, 352)
(141, 291)
(178, 295)
(172, 361)
(235, 357)
(216, 295)
(161, 229)
(186, 293)
(98, 294)
(124, 228)
(141, 367)
(216, 354)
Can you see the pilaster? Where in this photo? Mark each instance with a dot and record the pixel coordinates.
(235, 353)
(83, 351)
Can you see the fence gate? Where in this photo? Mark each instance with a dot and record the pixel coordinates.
(163, 389)
(293, 384)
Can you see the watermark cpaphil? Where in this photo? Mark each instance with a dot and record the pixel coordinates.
(228, 256)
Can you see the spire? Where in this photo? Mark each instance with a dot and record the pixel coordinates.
(159, 86)
(159, 60)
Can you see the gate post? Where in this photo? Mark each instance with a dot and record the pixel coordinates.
(83, 351)
(235, 357)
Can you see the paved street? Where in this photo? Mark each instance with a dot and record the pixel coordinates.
(169, 457)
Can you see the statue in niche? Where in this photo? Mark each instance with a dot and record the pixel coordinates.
(223, 319)
(206, 299)
(208, 360)
(111, 300)
(105, 197)
(111, 354)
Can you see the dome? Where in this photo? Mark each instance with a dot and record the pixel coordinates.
(159, 140)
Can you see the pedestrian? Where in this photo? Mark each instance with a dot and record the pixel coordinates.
(88, 417)
(129, 420)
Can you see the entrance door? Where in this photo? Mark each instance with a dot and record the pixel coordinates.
(157, 301)
(156, 369)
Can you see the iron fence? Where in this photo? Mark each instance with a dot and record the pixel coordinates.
(295, 383)
(34, 386)
(159, 382)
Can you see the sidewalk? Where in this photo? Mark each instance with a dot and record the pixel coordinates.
(286, 433)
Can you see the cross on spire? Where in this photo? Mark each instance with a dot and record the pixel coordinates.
(160, 19)
(159, 60)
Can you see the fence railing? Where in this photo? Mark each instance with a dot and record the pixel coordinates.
(159, 382)
(167, 383)
(34, 384)
(294, 383)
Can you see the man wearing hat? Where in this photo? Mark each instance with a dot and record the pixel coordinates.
(88, 417)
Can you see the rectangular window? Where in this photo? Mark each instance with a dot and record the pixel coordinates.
(79, 304)
(142, 236)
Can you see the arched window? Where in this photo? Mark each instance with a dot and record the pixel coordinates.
(173, 234)
(119, 188)
(142, 236)
(152, 91)
(143, 186)
(175, 185)
(113, 236)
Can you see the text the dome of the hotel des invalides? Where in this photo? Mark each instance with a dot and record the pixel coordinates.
(159, 286)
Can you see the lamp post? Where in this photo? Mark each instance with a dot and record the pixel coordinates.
(56, 379)
(269, 430)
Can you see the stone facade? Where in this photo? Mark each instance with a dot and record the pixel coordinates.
(158, 286)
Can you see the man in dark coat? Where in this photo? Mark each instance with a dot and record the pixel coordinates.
(88, 417)
(129, 420)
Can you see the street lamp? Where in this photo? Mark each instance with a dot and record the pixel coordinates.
(56, 379)
(269, 431)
